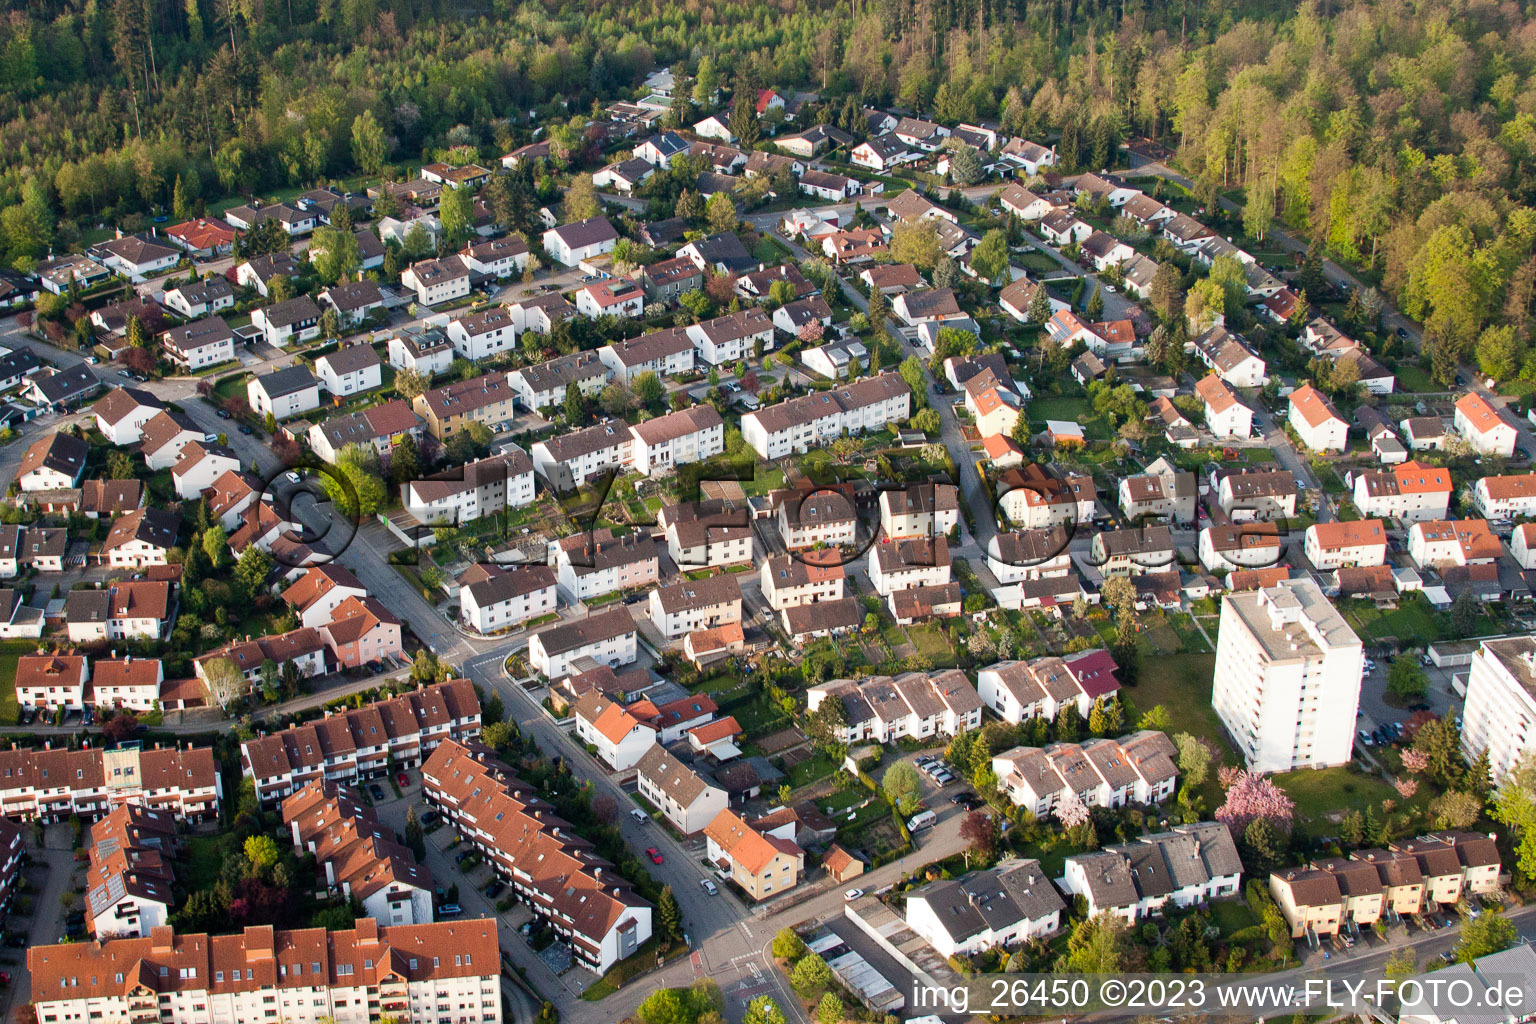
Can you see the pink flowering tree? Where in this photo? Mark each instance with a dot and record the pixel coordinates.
(811, 330)
(1228, 774)
(1415, 761)
(1406, 788)
(1252, 796)
(1072, 812)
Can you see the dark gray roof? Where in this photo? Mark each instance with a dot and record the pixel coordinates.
(287, 381)
(994, 900)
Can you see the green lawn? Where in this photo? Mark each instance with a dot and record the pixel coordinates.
(1413, 379)
(1182, 684)
(10, 652)
(1324, 795)
(1412, 619)
(203, 862)
(1077, 410)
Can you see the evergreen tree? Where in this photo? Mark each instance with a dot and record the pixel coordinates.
(575, 406)
(669, 915)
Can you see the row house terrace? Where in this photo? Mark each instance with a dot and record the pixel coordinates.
(361, 743)
(554, 870)
(442, 973)
(51, 784)
(1102, 772)
(883, 709)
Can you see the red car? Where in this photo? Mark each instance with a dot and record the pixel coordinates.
(654, 854)
(403, 779)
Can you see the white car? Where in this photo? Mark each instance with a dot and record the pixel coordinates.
(709, 887)
(853, 894)
(639, 816)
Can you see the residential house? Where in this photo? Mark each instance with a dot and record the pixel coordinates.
(1103, 772)
(1483, 426)
(437, 281)
(1185, 866)
(569, 244)
(350, 370)
(761, 863)
(484, 487)
(504, 597)
(1316, 422)
(607, 637)
(1360, 542)
(1040, 688)
(296, 320)
(688, 800)
(1412, 492)
(1005, 906)
(597, 563)
(284, 393)
(1225, 414)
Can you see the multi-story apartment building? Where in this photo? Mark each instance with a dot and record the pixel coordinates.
(504, 596)
(126, 682)
(684, 797)
(568, 461)
(361, 858)
(443, 973)
(799, 424)
(665, 353)
(1483, 426)
(1033, 498)
(1102, 772)
(435, 281)
(1133, 551)
(1337, 545)
(591, 565)
(552, 869)
(1288, 671)
(544, 385)
(1030, 554)
(199, 344)
(49, 681)
(1453, 542)
(54, 462)
(919, 510)
(1411, 491)
(883, 709)
(1499, 715)
(482, 335)
(477, 489)
(762, 863)
(789, 581)
(681, 605)
(361, 743)
(139, 538)
(705, 534)
(1237, 546)
(677, 438)
(490, 400)
(607, 637)
(1040, 688)
(1316, 421)
(733, 337)
(809, 519)
(1160, 491)
(618, 736)
(128, 609)
(51, 784)
(902, 564)
(1266, 494)
(1225, 414)
(496, 257)
(1502, 498)
(1187, 865)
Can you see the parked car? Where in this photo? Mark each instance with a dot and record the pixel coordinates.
(1365, 738)
(710, 887)
(639, 816)
(376, 791)
(853, 894)
(430, 818)
(654, 854)
(494, 889)
(403, 779)
(449, 910)
(223, 414)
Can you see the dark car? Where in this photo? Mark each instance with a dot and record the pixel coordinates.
(430, 818)
(224, 414)
(377, 791)
(16, 941)
(494, 889)
(245, 429)
(461, 856)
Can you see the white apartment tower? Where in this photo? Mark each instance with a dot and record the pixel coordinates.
(1288, 673)
(1500, 712)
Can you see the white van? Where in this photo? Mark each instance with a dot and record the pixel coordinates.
(921, 820)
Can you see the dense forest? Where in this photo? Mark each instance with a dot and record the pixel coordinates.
(1400, 133)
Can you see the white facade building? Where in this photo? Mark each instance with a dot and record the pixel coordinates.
(1288, 671)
